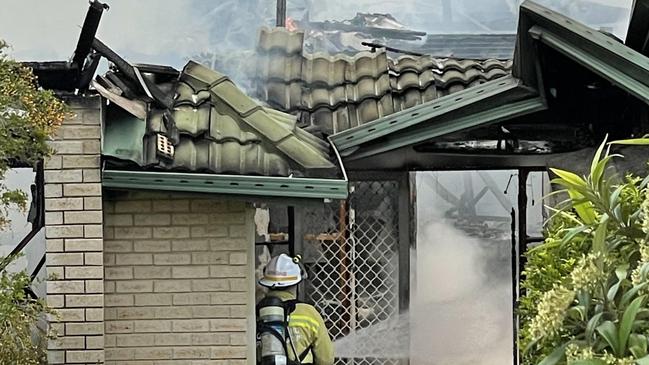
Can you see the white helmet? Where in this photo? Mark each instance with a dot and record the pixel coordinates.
(282, 271)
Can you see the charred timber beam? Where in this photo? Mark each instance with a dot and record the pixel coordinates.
(374, 46)
(280, 20)
(373, 31)
(133, 74)
(88, 32)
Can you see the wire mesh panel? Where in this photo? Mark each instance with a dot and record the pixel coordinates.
(351, 254)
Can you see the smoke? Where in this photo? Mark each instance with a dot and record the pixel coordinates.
(461, 311)
(461, 299)
(170, 31)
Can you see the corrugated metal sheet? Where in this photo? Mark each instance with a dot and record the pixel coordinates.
(216, 128)
(335, 93)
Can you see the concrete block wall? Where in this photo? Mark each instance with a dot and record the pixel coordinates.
(179, 280)
(74, 237)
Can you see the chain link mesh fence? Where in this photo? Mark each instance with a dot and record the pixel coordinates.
(351, 255)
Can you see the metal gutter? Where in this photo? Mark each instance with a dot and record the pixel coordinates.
(596, 61)
(451, 125)
(345, 141)
(227, 184)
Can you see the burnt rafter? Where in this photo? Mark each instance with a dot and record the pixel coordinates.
(78, 72)
(83, 60)
(134, 75)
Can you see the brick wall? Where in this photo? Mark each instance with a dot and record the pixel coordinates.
(178, 280)
(73, 231)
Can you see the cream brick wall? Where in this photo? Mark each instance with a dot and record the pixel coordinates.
(178, 280)
(73, 231)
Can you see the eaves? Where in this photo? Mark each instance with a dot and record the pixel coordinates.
(598, 52)
(491, 102)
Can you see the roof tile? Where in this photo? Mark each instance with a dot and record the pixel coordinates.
(338, 92)
(217, 128)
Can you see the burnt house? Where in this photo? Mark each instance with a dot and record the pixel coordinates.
(169, 186)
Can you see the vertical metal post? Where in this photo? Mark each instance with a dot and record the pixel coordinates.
(290, 211)
(281, 13)
(521, 249)
(343, 270)
(404, 225)
(522, 224)
(515, 284)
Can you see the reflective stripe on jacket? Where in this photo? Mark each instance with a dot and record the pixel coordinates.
(307, 329)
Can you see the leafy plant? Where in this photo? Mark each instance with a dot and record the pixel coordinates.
(21, 341)
(28, 116)
(588, 283)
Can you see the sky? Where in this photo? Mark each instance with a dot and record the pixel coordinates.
(171, 31)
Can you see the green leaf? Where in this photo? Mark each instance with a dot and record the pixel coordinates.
(592, 324)
(599, 241)
(633, 141)
(627, 323)
(643, 361)
(557, 355)
(598, 155)
(608, 330)
(626, 298)
(621, 273)
(569, 177)
(584, 210)
(638, 345)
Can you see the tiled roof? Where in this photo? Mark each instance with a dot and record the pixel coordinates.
(335, 93)
(216, 128)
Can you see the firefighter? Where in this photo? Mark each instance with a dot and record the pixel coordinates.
(307, 340)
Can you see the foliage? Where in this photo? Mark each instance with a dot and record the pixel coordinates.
(587, 285)
(28, 116)
(19, 315)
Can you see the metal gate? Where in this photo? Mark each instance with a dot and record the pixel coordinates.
(351, 253)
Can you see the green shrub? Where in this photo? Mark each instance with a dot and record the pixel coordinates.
(587, 284)
(21, 341)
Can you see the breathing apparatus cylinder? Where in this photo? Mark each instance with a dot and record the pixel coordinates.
(273, 339)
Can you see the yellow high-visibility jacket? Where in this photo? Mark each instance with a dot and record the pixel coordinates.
(307, 328)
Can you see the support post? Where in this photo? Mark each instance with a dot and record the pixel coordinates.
(281, 13)
(515, 288)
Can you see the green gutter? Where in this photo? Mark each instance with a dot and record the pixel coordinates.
(227, 184)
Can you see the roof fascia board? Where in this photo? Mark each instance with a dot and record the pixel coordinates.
(227, 184)
(637, 36)
(591, 48)
(451, 125)
(614, 72)
(347, 140)
(525, 52)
